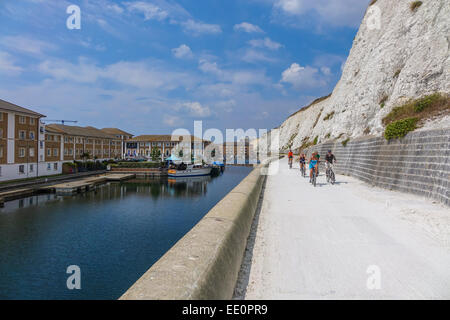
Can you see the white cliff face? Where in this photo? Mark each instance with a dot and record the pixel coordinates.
(406, 58)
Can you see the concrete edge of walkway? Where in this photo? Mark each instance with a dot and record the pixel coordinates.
(205, 263)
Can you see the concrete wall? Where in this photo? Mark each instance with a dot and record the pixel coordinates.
(11, 171)
(205, 263)
(418, 163)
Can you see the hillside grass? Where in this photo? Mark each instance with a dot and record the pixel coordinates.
(414, 113)
(400, 128)
(415, 5)
(424, 108)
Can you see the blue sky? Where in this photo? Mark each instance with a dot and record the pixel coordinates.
(153, 66)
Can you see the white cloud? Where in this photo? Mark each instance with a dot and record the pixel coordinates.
(326, 71)
(210, 67)
(235, 77)
(226, 106)
(194, 109)
(334, 12)
(302, 77)
(7, 65)
(149, 10)
(182, 51)
(265, 43)
(27, 45)
(83, 72)
(172, 121)
(141, 74)
(248, 27)
(197, 28)
(256, 56)
(116, 8)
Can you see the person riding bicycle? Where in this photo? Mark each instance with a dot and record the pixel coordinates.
(329, 159)
(313, 164)
(290, 157)
(318, 163)
(302, 161)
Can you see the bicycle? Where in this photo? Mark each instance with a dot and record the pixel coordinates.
(303, 170)
(313, 178)
(290, 163)
(331, 178)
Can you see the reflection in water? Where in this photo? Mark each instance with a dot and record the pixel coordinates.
(114, 234)
(156, 188)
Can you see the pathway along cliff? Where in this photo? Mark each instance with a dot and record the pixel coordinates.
(347, 241)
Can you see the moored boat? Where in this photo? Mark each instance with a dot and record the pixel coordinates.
(190, 171)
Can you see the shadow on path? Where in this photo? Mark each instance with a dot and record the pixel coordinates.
(240, 289)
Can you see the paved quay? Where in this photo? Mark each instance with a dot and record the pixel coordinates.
(347, 241)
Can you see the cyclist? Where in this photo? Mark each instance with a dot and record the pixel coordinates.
(329, 159)
(318, 162)
(313, 164)
(290, 157)
(302, 161)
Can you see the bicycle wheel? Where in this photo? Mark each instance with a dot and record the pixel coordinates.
(333, 178)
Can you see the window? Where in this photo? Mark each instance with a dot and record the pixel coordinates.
(66, 152)
(1, 116)
(1, 152)
(55, 166)
(167, 144)
(70, 152)
(66, 139)
(22, 168)
(41, 129)
(21, 152)
(41, 144)
(41, 157)
(49, 152)
(31, 150)
(32, 121)
(49, 166)
(55, 152)
(1, 131)
(22, 135)
(22, 120)
(31, 135)
(31, 168)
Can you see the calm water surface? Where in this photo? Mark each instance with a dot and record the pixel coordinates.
(114, 234)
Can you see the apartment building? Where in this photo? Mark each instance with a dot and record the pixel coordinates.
(119, 134)
(68, 143)
(143, 146)
(19, 141)
(29, 148)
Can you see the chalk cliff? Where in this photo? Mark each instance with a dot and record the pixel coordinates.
(404, 56)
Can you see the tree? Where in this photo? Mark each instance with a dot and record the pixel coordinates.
(155, 154)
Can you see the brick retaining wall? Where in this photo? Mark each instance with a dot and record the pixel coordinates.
(418, 163)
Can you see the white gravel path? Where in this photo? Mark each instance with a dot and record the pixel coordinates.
(330, 242)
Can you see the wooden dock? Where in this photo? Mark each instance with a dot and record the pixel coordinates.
(83, 185)
(66, 188)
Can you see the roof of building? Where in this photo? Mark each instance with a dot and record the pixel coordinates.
(159, 138)
(78, 131)
(116, 131)
(15, 108)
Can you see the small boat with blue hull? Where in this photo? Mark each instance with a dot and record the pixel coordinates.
(190, 171)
